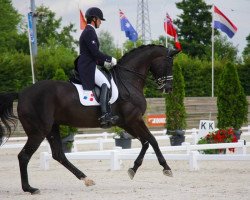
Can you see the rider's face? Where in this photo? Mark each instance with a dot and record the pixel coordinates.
(98, 22)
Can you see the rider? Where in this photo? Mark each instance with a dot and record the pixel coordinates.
(90, 56)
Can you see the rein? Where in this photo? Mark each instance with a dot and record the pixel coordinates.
(160, 81)
(141, 76)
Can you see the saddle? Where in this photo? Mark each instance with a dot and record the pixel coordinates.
(92, 98)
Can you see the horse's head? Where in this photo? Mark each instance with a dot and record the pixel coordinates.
(161, 68)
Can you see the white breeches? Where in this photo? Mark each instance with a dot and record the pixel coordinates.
(100, 78)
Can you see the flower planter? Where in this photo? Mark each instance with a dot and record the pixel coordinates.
(216, 137)
(67, 143)
(237, 134)
(125, 143)
(213, 151)
(177, 137)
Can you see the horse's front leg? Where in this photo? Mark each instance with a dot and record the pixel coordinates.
(140, 130)
(166, 169)
(139, 159)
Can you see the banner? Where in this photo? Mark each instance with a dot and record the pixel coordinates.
(30, 28)
(156, 120)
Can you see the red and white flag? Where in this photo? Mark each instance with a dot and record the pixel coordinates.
(83, 22)
(171, 30)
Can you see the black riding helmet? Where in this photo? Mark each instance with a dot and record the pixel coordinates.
(94, 12)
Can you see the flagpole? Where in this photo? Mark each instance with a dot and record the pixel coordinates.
(167, 38)
(212, 50)
(166, 33)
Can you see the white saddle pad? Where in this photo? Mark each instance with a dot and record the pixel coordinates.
(87, 97)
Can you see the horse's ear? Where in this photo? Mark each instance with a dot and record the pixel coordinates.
(172, 53)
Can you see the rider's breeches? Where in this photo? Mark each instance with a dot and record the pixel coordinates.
(100, 78)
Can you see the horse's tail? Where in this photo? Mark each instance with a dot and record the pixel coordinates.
(8, 120)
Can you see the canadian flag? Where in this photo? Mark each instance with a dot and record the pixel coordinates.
(171, 30)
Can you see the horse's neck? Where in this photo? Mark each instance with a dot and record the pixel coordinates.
(141, 62)
(134, 70)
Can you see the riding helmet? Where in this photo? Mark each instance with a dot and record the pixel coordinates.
(94, 12)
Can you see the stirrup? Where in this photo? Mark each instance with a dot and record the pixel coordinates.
(107, 120)
(104, 122)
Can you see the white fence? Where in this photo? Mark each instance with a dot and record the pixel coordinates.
(192, 154)
(103, 138)
(116, 155)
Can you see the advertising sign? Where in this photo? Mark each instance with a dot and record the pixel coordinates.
(156, 120)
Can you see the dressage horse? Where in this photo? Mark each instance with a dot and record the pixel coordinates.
(47, 104)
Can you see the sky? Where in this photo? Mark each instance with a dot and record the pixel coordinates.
(238, 11)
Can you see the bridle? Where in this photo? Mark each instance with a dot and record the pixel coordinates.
(161, 82)
(164, 80)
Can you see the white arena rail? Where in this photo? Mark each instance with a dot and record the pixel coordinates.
(21, 145)
(101, 138)
(192, 154)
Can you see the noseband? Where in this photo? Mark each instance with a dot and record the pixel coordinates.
(163, 81)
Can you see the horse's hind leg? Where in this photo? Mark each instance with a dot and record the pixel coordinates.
(57, 153)
(24, 156)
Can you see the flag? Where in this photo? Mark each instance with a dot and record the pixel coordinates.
(169, 27)
(83, 22)
(30, 28)
(177, 43)
(126, 26)
(171, 30)
(223, 23)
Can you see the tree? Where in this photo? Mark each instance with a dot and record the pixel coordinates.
(175, 109)
(15, 71)
(231, 100)
(129, 45)
(9, 21)
(49, 27)
(51, 57)
(246, 51)
(107, 45)
(223, 49)
(162, 41)
(60, 75)
(194, 26)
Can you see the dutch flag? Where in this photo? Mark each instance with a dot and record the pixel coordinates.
(223, 23)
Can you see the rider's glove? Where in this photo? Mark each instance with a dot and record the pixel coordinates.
(113, 62)
(110, 65)
(107, 65)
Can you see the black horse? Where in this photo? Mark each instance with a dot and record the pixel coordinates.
(47, 104)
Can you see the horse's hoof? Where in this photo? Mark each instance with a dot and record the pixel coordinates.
(31, 190)
(88, 182)
(131, 173)
(167, 173)
(37, 191)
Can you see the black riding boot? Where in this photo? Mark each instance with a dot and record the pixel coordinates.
(107, 120)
